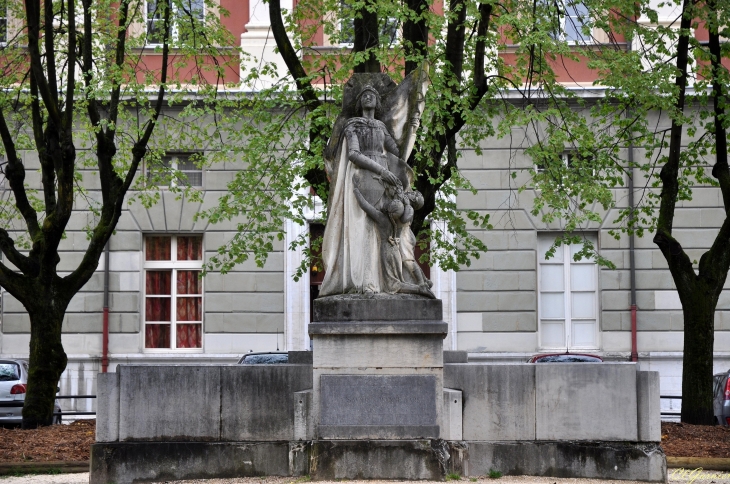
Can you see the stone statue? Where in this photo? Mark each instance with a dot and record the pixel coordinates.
(368, 244)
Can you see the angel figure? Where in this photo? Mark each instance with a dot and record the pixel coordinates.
(370, 142)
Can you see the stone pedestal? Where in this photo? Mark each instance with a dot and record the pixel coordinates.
(377, 368)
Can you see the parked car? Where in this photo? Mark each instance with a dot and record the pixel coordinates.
(721, 399)
(265, 358)
(565, 358)
(13, 384)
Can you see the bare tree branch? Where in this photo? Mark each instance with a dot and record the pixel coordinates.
(15, 174)
(291, 59)
(32, 8)
(28, 266)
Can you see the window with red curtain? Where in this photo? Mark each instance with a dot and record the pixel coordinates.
(173, 309)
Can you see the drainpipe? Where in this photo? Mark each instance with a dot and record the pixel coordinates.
(105, 328)
(632, 265)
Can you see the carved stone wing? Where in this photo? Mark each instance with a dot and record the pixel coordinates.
(403, 107)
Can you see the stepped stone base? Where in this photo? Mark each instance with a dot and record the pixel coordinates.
(377, 368)
(132, 462)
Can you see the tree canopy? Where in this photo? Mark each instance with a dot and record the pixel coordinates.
(82, 94)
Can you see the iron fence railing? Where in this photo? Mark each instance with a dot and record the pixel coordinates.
(73, 412)
(671, 397)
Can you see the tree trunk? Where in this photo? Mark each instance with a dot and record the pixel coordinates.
(367, 38)
(699, 337)
(47, 361)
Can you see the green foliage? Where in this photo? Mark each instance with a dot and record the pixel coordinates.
(192, 76)
(494, 474)
(453, 476)
(578, 195)
(282, 140)
(34, 471)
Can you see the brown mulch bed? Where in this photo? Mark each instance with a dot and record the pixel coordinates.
(72, 442)
(685, 440)
(56, 443)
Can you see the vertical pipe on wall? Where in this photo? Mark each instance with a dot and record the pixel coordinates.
(632, 265)
(105, 326)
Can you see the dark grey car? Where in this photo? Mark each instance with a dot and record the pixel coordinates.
(13, 383)
(721, 398)
(265, 358)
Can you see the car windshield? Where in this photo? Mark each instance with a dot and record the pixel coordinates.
(568, 359)
(265, 359)
(9, 372)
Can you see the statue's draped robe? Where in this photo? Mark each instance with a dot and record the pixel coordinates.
(351, 245)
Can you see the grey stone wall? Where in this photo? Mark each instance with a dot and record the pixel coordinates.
(517, 402)
(497, 295)
(186, 403)
(549, 402)
(244, 310)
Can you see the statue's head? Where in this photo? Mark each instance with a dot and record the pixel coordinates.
(416, 199)
(370, 89)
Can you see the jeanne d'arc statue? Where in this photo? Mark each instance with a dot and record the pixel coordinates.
(368, 244)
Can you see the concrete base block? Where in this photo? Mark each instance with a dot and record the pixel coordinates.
(126, 462)
(107, 414)
(133, 462)
(376, 307)
(649, 406)
(451, 423)
(379, 459)
(303, 415)
(456, 356)
(593, 460)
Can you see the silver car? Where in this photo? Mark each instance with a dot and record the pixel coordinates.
(13, 383)
(721, 398)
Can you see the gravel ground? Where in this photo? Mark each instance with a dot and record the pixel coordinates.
(676, 476)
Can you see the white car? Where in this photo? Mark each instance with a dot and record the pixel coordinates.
(13, 384)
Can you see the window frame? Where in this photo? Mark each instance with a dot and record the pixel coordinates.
(4, 15)
(174, 20)
(561, 33)
(173, 266)
(568, 296)
(566, 157)
(577, 27)
(174, 158)
(351, 19)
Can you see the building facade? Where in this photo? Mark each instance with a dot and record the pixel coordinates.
(506, 306)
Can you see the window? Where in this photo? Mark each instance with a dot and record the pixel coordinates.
(3, 22)
(567, 19)
(571, 161)
(574, 18)
(186, 16)
(173, 304)
(568, 298)
(389, 27)
(187, 172)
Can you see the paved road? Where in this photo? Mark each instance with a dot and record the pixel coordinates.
(689, 476)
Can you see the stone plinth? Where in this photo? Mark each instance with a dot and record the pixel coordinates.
(378, 367)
